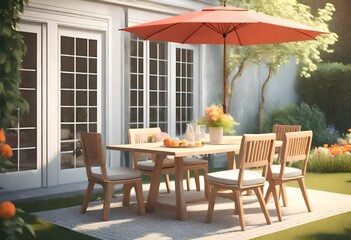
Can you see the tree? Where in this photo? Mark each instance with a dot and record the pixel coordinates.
(12, 51)
(306, 53)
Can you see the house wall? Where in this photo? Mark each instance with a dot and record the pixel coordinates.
(103, 17)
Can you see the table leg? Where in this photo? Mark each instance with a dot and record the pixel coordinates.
(179, 190)
(231, 160)
(155, 183)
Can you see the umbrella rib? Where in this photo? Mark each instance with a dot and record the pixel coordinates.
(193, 32)
(163, 29)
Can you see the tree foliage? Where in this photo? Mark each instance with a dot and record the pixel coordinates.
(306, 53)
(12, 50)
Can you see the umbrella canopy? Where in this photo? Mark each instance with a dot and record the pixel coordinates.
(224, 25)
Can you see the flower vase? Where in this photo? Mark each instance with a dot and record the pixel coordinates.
(216, 134)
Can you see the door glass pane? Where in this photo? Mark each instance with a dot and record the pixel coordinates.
(79, 102)
(22, 136)
(184, 88)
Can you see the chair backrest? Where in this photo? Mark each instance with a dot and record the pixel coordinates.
(296, 147)
(256, 150)
(141, 135)
(93, 153)
(281, 129)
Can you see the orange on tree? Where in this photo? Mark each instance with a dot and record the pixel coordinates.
(6, 151)
(7, 210)
(2, 136)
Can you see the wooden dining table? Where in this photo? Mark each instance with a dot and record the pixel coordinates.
(230, 146)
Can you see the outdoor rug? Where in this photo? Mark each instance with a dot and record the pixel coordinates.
(125, 223)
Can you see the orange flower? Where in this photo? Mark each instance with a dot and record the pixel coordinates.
(325, 145)
(2, 136)
(349, 130)
(7, 210)
(6, 151)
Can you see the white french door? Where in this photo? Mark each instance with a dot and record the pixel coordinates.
(25, 137)
(80, 97)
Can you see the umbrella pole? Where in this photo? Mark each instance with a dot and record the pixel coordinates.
(224, 73)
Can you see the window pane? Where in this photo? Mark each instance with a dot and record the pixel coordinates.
(82, 81)
(30, 59)
(67, 45)
(67, 114)
(28, 79)
(67, 64)
(81, 98)
(82, 48)
(81, 115)
(81, 64)
(92, 82)
(67, 98)
(67, 80)
(92, 48)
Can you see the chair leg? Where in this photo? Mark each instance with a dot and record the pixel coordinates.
(302, 185)
(140, 197)
(283, 194)
(188, 180)
(87, 196)
(168, 183)
(126, 194)
(276, 202)
(260, 198)
(108, 188)
(236, 206)
(197, 180)
(207, 189)
(239, 199)
(269, 192)
(211, 203)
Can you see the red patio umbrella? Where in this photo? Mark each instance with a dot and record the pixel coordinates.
(224, 25)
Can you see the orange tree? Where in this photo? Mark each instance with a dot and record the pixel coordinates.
(12, 51)
(11, 224)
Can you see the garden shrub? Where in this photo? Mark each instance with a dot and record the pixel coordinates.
(309, 117)
(329, 89)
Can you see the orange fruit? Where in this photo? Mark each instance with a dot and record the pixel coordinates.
(7, 210)
(6, 151)
(2, 136)
(175, 143)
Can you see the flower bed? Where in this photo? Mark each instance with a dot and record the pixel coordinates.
(330, 159)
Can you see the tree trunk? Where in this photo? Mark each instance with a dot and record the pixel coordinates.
(261, 112)
(232, 83)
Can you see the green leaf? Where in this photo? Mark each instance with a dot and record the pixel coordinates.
(30, 229)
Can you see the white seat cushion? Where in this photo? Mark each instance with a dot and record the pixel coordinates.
(117, 173)
(230, 177)
(288, 173)
(148, 165)
(194, 161)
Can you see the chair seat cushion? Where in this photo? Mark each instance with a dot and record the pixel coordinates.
(194, 161)
(118, 173)
(288, 173)
(149, 165)
(230, 177)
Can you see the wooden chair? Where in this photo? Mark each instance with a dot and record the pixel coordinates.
(141, 135)
(95, 164)
(280, 130)
(256, 151)
(296, 147)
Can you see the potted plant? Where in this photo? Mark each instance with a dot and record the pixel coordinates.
(218, 122)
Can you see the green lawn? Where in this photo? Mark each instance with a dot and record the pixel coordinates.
(337, 227)
(332, 228)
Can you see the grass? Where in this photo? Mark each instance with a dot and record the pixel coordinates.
(336, 227)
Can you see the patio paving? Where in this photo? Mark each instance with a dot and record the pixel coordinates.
(125, 223)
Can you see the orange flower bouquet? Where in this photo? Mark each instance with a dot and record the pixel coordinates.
(215, 117)
(5, 151)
